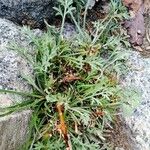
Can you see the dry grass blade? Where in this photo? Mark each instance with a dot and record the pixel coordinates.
(63, 127)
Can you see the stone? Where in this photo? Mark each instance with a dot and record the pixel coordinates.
(13, 127)
(139, 121)
(28, 12)
(14, 130)
(69, 30)
(12, 65)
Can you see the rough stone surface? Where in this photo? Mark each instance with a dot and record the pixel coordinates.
(29, 12)
(12, 65)
(139, 121)
(69, 30)
(13, 128)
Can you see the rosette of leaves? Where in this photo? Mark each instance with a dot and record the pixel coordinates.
(75, 87)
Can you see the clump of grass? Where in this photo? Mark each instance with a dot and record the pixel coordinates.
(75, 85)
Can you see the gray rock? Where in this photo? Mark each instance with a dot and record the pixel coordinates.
(69, 30)
(29, 12)
(12, 65)
(139, 122)
(13, 128)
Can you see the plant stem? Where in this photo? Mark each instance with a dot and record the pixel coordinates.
(85, 14)
(78, 27)
(63, 20)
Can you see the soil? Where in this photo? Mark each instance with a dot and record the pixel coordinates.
(119, 137)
